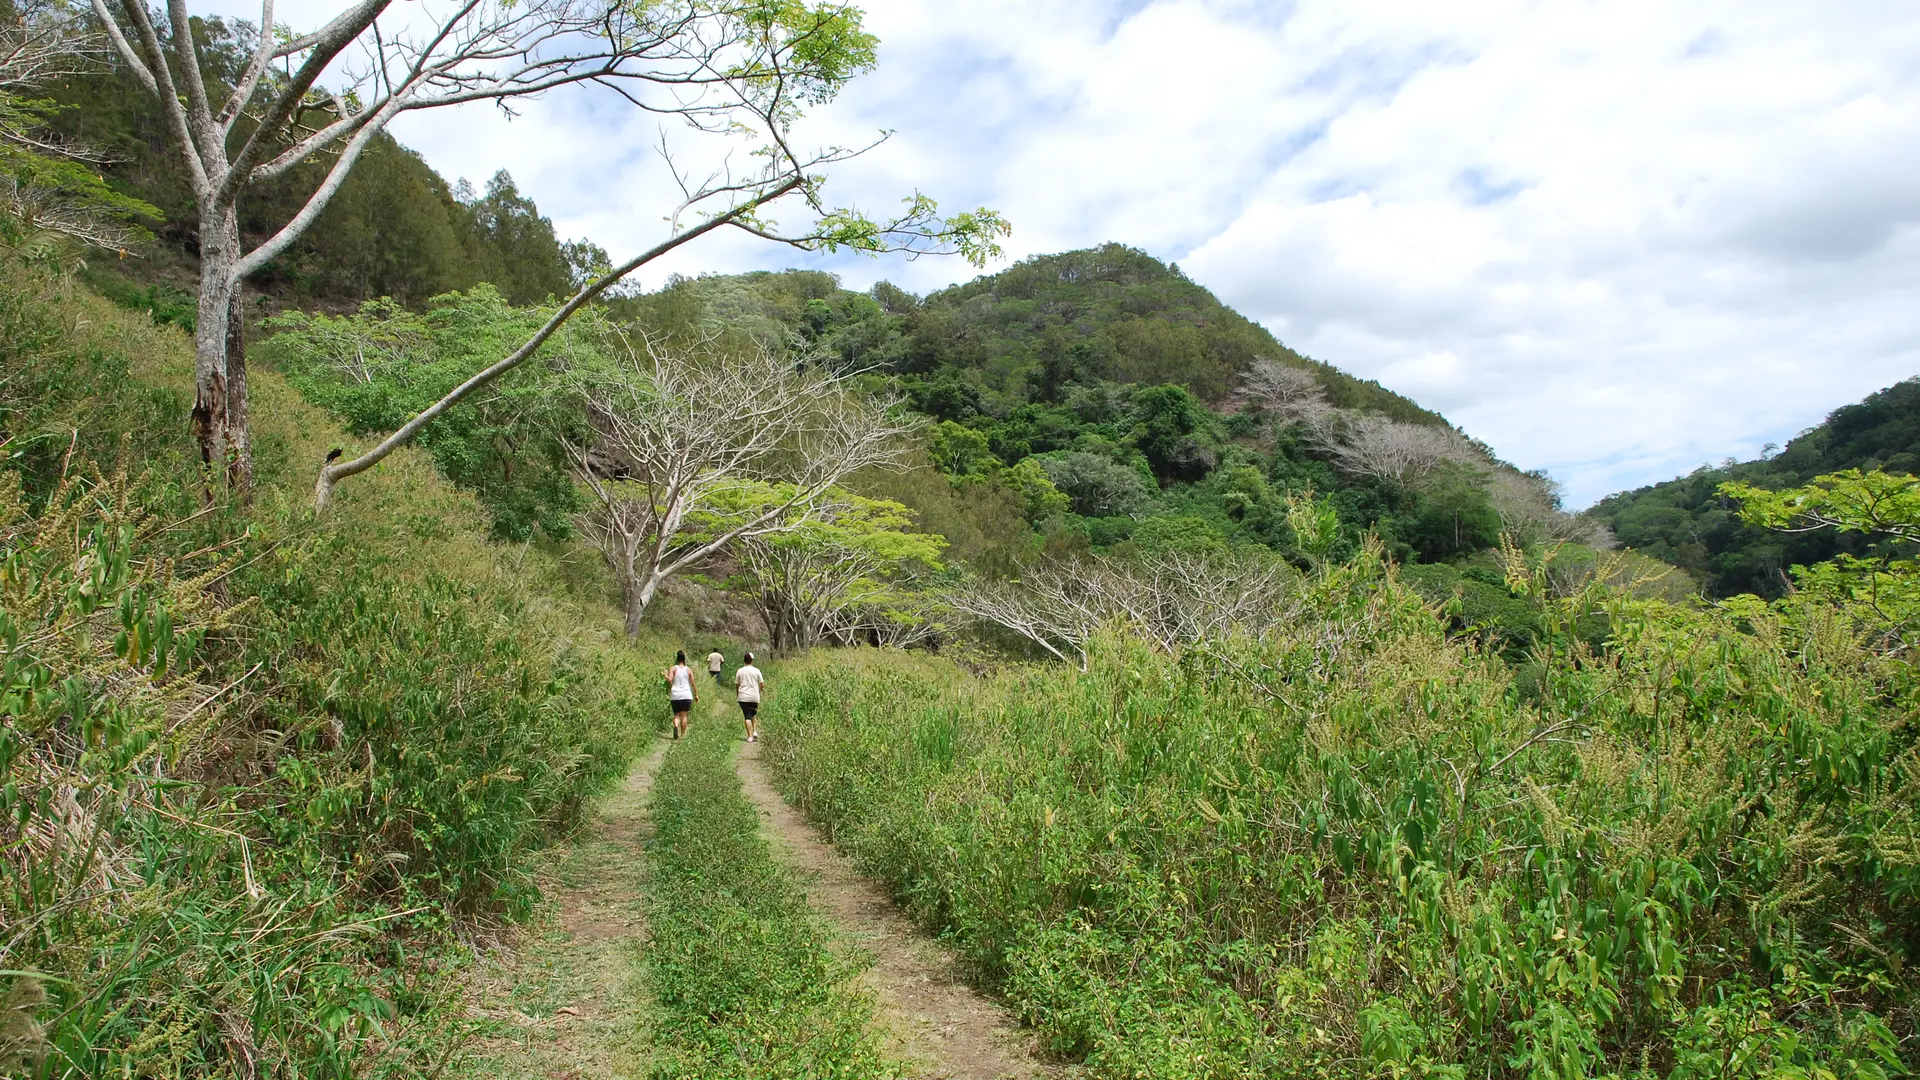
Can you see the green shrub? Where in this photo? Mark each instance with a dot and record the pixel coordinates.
(1357, 851)
(254, 768)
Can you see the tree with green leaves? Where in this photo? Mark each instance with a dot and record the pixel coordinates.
(1171, 429)
(1880, 590)
(1097, 485)
(1873, 503)
(852, 552)
(738, 72)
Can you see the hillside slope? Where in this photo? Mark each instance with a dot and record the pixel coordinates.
(395, 228)
(257, 769)
(1687, 522)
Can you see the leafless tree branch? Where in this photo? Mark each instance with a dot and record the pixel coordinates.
(694, 454)
(1172, 600)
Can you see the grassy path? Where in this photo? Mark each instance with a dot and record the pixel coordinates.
(680, 942)
(568, 1002)
(746, 980)
(935, 1020)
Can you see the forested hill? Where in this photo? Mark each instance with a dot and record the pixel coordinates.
(1687, 522)
(1108, 400)
(1115, 314)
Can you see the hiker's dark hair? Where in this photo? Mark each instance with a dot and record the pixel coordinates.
(749, 658)
(680, 657)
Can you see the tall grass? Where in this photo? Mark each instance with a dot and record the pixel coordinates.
(1361, 850)
(257, 771)
(746, 980)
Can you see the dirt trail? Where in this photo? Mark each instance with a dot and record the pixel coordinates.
(936, 1018)
(564, 1002)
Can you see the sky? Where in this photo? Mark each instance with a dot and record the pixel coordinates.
(1614, 240)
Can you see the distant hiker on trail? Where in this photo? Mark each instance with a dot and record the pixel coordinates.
(714, 663)
(680, 691)
(749, 683)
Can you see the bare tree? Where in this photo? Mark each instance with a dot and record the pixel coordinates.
(798, 585)
(1529, 509)
(1373, 445)
(734, 69)
(1027, 612)
(41, 40)
(1285, 393)
(1173, 600)
(694, 453)
(892, 617)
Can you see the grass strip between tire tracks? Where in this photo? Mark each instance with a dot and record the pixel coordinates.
(743, 974)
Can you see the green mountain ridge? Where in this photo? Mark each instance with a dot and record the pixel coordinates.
(1687, 522)
(1110, 378)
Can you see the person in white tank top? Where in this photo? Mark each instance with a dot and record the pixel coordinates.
(681, 691)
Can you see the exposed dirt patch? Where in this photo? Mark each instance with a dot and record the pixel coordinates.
(935, 1018)
(562, 1000)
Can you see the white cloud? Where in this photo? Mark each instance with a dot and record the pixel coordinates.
(1612, 239)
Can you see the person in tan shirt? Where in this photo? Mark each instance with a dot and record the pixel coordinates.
(749, 684)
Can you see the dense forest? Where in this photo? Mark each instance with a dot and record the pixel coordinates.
(1689, 523)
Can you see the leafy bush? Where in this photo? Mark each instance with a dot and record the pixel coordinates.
(1097, 485)
(1478, 601)
(1356, 850)
(376, 369)
(254, 768)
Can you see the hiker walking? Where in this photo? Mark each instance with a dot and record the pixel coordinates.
(749, 683)
(714, 663)
(680, 691)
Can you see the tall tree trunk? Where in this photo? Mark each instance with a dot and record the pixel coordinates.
(219, 390)
(640, 591)
(239, 434)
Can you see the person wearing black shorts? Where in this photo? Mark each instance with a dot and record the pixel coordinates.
(749, 683)
(680, 691)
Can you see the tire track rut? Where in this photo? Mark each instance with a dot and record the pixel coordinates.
(933, 1016)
